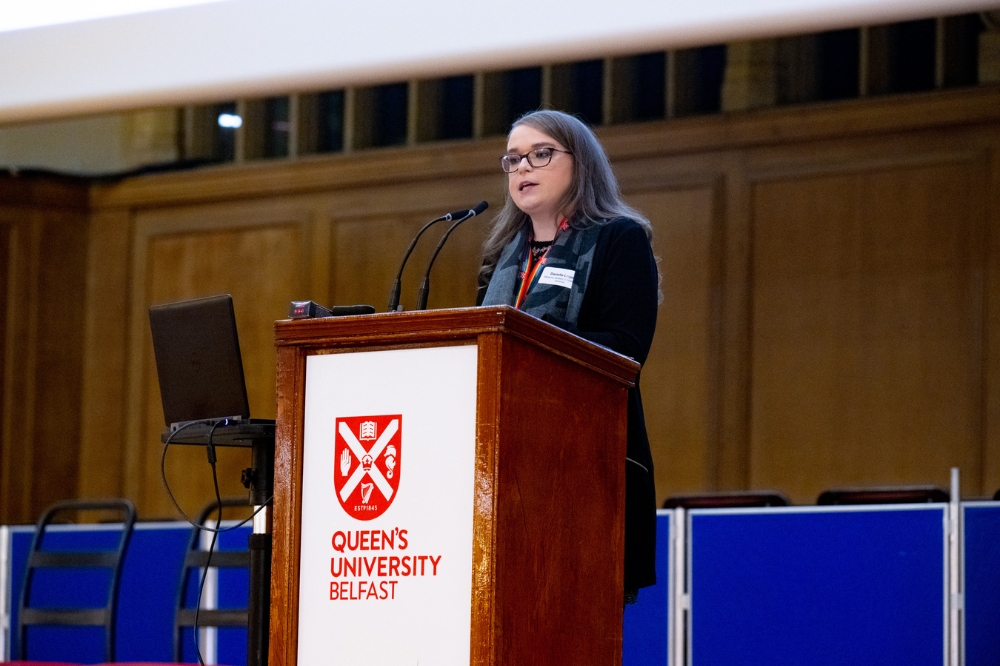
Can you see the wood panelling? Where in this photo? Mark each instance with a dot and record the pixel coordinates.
(260, 260)
(5, 306)
(868, 326)
(58, 334)
(367, 253)
(991, 365)
(11, 461)
(103, 402)
(44, 248)
(734, 334)
(679, 380)
(20, 351)
(831, 282)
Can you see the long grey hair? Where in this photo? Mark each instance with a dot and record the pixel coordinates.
(592, 195)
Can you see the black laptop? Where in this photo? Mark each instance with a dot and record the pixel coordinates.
(199, 366)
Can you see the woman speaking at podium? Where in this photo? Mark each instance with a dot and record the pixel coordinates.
(566, 249)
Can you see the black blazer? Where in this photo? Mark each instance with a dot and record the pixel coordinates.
(619, 312)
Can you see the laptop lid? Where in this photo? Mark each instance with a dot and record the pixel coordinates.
(198, 360)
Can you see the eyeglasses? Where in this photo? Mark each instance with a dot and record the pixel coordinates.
(539, 157)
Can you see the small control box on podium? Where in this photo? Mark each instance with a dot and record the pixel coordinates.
(449, 489)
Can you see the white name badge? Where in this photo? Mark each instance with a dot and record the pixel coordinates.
(560, 277)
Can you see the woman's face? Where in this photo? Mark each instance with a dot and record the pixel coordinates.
(539, 191)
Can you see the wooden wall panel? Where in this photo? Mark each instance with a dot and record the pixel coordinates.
(868, 327)
(59, 358)
(261, 263)
(11, 460)
(735, 357)
(6, 306)
(367, 253)
(103, 403)
(991, 365)
(17, 438)
(370, 229)
(43, 248)
(679, 380)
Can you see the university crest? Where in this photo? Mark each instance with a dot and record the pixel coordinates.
(366, 463)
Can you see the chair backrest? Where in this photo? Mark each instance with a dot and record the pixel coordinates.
(727, 500)
(196, 560)
(38, 558)
(883, 495)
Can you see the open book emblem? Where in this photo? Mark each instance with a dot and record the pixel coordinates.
(367, 463)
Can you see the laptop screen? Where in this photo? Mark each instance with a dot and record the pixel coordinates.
(198, 360)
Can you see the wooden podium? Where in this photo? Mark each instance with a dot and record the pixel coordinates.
(449, 489)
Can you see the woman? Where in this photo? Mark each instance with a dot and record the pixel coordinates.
(567, 249)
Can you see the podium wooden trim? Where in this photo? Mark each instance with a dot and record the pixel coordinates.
(548, 521)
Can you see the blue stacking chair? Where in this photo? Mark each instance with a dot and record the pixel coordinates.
(40, 558)
(196, 560)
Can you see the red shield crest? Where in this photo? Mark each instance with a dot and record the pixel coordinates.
(366, 463)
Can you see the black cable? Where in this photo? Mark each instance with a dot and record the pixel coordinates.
(166, 486)
(210, 450)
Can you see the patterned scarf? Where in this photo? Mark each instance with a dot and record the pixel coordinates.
(562, 281)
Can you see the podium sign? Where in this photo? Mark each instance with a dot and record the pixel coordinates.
(385, 572)
(449, 488)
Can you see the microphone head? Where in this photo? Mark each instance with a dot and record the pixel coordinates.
(478, 210)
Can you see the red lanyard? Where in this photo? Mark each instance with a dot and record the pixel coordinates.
(529, 271)
(528, 275)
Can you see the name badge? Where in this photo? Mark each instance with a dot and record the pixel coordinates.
(560, 277)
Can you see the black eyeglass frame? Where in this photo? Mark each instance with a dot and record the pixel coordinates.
(527, 156)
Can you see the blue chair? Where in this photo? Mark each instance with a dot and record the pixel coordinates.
(39, 558)
(197, 559)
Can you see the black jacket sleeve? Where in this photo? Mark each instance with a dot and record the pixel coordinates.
(619, 306)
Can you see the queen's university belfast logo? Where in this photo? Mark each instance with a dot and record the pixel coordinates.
(366, 463)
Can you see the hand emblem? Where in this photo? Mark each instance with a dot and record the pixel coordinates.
(345, 462)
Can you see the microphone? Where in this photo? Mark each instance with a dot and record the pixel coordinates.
(394, 292)
(425, 286)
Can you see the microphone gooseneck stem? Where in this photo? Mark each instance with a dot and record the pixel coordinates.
(393, 296)
(396, 285)
(425, 286)
(394, 292)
